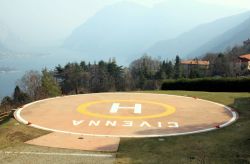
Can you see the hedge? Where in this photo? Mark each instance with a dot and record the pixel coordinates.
(209, 84)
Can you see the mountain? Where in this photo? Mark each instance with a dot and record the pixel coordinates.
(7, 38)
(10, 44)
(186, 44)
(125, 30)
(230, 38)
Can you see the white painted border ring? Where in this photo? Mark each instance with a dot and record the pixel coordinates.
(233, 119)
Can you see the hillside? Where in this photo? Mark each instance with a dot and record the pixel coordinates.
(188, 42)
(8, 38)
(230, 38)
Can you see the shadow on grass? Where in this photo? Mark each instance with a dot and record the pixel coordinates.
(242, 106)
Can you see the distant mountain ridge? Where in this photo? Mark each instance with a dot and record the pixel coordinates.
(11, 45)
(8, 39)
(126, 30)
(187, 43)
(234, 36)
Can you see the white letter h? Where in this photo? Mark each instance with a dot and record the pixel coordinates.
(116, 106)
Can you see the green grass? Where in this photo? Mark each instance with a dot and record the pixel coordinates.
(13, 133)
(13, 136)
(229, 145)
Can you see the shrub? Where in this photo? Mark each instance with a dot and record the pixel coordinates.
(209, 84)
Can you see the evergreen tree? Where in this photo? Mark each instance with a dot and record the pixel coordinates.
(6, 103)
(168, 69)
(177, 68)
(221, 66)
(49, 85)
(19, 97)
(71, 78)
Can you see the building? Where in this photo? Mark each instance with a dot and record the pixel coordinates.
(189, 65)
(245, 62)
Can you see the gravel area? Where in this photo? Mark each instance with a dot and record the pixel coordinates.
(27, 154)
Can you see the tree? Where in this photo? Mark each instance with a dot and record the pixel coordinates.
(31, 84)
(195, 70)
(227, 63)
(99, 80)
(177, 68)
(50, 87)
(143, 69)
(72, 78)
(128, 82)
(221, 66)
(166, 70)
(19, 97)
(116, 76)
(6, 103)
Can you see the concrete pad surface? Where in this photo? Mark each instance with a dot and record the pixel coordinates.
(69, 141)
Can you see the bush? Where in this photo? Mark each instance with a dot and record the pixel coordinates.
(209, 84)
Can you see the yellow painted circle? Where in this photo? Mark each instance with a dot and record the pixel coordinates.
(83, 108)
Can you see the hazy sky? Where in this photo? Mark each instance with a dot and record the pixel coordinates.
(35, 20)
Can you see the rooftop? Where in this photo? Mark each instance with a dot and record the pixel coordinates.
(194, 62)
(247, 57)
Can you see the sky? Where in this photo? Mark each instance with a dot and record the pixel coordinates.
(53, 20)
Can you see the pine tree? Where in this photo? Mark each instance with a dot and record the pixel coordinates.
(19, 97)
(177, 68)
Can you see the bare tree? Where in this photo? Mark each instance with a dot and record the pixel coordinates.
(30, 83)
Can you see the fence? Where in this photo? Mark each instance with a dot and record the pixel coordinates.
(5, 116)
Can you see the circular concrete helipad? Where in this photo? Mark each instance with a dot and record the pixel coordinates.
(126, 115)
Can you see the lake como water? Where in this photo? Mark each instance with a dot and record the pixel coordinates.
(19, 65)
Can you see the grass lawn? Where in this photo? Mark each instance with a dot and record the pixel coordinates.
(12, 138)
(13, 133)
(230, 145)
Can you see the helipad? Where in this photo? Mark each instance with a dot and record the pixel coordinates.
(126, 115)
